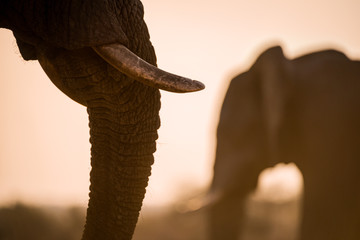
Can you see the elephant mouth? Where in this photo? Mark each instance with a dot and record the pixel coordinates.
(136, 68)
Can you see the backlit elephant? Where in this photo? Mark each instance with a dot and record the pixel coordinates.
(306, 111)
(99, 54)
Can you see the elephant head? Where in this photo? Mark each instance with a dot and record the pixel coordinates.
(99, 54)
(247, 140)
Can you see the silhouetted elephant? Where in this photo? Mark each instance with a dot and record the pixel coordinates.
(93, 51)
(306, 111)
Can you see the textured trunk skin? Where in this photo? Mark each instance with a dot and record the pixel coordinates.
(122, 133)
(123, 119)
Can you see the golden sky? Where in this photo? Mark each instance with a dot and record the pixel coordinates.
(44, 147)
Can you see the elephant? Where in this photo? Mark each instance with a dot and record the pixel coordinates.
(305, 111)
(100, 55)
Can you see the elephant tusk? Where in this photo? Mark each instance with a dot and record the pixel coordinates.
(131, 65)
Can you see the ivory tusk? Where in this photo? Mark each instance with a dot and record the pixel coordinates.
(131, 65)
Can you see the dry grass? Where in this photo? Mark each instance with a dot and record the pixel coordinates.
(266, 220)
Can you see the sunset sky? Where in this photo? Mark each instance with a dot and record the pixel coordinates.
(44, 146)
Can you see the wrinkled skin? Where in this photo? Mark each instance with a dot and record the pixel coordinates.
(306, 111)
(123, 113)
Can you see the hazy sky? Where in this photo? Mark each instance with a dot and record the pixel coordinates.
(44, 147)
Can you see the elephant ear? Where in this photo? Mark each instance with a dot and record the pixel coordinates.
(71, 24)
(272, 77)
(28, 51)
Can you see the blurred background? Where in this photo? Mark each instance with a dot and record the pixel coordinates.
(44, 146)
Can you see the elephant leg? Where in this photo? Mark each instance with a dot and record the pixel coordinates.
(314, 220)
(226, 218)
(331, 209)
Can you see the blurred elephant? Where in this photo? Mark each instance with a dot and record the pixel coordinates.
(99, 54)
(306, 111)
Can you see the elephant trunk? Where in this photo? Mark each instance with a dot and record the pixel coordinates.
(123, 119)
(122, 133)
